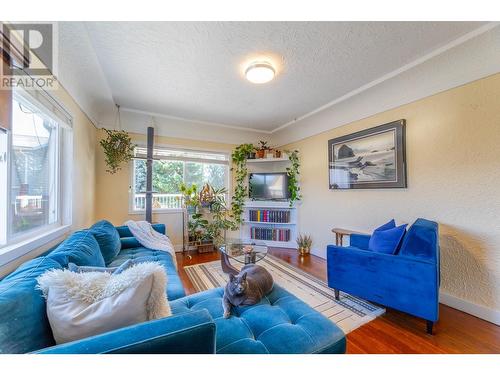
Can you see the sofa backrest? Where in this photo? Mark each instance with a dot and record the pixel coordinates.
(421, 240)
(24, 326)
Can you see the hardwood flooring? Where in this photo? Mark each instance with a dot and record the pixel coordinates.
(394, 332)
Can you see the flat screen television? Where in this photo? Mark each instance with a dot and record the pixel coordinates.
(268, 186)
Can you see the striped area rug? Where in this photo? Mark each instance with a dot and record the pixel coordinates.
(349, 313)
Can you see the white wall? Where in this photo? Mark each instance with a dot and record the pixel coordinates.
(453, 169)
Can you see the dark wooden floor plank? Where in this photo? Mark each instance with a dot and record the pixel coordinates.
(394, 332)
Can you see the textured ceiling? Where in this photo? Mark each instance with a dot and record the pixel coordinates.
(194, 70)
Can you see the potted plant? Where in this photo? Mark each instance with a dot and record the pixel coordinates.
(118, 149)
(251, 154)
(190, 197)
(304, 243)
(207, 195)
(261, 150)
(206, 229)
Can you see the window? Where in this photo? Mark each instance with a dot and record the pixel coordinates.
(31, 173)
(170, 169)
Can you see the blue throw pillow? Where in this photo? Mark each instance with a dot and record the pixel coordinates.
(108, 239)
(80, 248)
(389, 225)
(386, 241)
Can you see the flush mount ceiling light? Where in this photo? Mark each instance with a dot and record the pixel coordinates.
(260, 72)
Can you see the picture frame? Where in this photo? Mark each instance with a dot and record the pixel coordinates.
(374, 158)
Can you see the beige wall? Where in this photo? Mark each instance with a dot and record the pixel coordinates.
(112, 193)
(83, 174)
(453, 164)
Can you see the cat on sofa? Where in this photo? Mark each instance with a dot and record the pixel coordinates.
(247, 288)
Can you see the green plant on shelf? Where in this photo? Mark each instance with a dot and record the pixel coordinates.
(209, 224)
(190, 197)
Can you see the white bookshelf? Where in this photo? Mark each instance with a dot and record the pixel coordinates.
(270, 205)
(269, 165)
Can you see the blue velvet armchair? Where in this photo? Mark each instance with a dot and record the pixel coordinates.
(407, 281)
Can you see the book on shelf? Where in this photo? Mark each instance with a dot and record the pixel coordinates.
(270, 234)
(269, 216)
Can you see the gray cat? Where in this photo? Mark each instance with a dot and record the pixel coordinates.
(247, 288)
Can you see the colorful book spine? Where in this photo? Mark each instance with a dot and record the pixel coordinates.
(269, 216)
(270, 234)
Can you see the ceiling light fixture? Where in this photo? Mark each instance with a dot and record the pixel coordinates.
(260, 72)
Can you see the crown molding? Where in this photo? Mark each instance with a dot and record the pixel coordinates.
(175, 118)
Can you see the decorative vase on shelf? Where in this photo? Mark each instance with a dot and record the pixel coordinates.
(260, 154)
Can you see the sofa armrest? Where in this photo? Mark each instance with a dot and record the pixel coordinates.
(189, 333)
(359, 240)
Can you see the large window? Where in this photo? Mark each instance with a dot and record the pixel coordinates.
(173, 167)
(30, 173)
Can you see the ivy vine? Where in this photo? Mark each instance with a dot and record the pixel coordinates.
(293, 176)
(239, 158)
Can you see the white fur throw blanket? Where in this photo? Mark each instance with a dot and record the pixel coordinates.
(80, 305)
(148, 237)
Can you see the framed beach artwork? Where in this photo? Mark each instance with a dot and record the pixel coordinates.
(370, 159)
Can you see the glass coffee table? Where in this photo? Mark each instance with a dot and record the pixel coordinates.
(241, 251)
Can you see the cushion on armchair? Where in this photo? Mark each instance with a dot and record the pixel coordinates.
(386, 241)
(389, 225)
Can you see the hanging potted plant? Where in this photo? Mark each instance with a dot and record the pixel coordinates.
(117, 146)
(118, 149)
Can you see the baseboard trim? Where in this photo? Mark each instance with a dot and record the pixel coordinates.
(482, 312)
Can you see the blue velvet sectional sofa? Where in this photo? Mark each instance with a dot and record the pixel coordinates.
(280, 323)
(407, 281)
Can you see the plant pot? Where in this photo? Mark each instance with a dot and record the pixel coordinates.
(251, 155)
(270, 154)
(277, 153)
(260, 154)
(303, 251)
(205, 247)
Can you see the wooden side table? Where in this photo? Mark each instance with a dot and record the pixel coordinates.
(340, 233)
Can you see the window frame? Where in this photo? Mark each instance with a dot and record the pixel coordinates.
(133, 211)
(18, 245)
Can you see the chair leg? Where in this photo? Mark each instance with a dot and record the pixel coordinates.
(337, 294)
(430, 324)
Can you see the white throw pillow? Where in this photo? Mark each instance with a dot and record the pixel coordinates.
(80, 305)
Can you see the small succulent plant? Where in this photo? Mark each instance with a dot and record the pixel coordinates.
(304, 242)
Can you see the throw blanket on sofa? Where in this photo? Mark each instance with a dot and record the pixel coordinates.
(148, 237)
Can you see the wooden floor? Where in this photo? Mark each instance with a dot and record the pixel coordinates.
(394, 332)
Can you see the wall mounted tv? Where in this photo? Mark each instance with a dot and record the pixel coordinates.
(268, 186)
